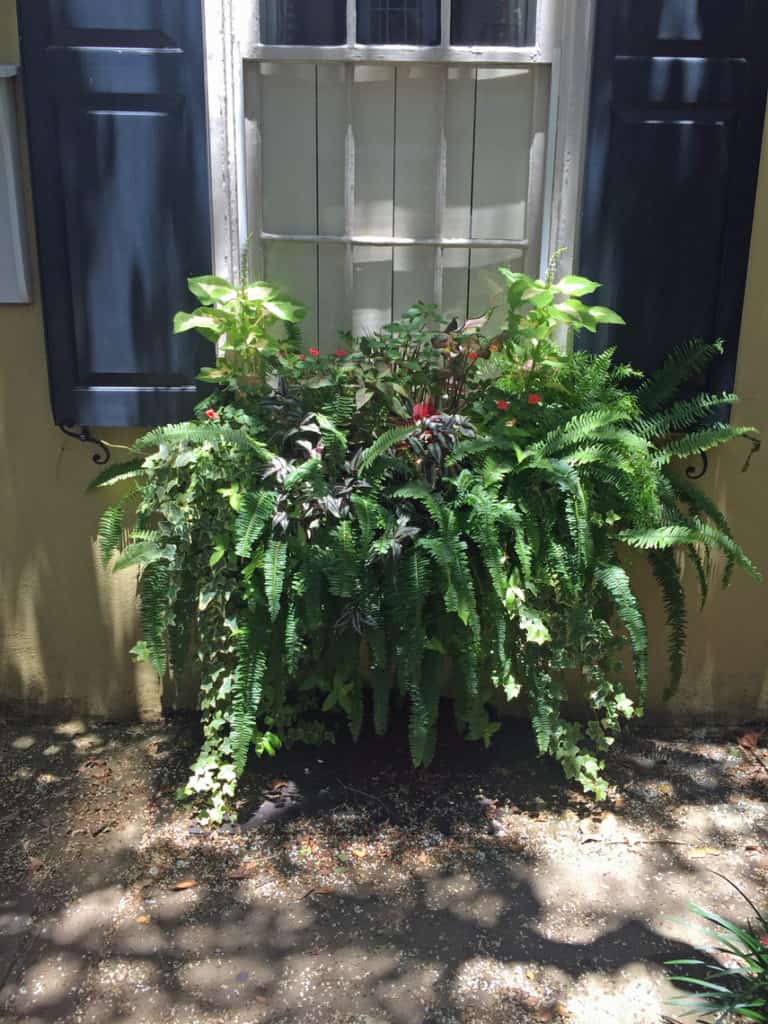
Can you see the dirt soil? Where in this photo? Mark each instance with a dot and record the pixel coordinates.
(355, 890)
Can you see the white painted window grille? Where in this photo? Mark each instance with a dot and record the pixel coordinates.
(377, 174)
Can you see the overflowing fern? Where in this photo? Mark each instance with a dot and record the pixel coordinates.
(429, 512)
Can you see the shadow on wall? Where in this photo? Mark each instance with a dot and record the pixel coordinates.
(725, 673)
(66, 626)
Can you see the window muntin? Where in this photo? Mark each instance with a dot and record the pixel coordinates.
(493, 22)
(379, 174)
(423, 23)
(304, 22)
(405, 22)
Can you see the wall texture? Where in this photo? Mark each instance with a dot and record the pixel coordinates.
(66, 626)
(726, 669)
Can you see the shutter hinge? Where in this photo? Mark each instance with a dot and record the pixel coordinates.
(84, 434)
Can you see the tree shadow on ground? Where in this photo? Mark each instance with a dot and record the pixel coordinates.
(467, 892)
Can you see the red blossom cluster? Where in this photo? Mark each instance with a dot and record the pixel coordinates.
(423, 410)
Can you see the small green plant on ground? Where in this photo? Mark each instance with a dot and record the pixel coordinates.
(426, 510)
(741, 990)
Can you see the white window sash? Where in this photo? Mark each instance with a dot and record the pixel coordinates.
(540, 52)
(563, 41)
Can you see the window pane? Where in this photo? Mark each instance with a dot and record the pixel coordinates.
(412, 22)
(303, 22)
(493, 22)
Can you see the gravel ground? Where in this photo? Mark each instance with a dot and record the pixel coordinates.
(354, 890)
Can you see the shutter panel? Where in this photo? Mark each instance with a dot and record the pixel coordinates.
(115, 104)
(676, 117)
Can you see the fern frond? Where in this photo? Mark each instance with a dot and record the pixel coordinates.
(701, 505)
(143, 552)
(583, 427)
(697, 532)
(249, 675)
(615, 582)
(700, 441)
(300, 474)
(292, 647)
(334, 438)
(544, 698)
(667, 574)
(110, 531)
(682, 415)
(196, 433)
(255, 512)
(682, 364)
(274, 574)
(382, 444)
(116, 473)
(153, 595)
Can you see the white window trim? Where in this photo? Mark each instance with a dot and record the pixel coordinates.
(16, 287)
(564, 40)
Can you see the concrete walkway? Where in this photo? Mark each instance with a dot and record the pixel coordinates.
(479, 891)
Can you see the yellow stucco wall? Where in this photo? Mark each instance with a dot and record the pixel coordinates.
(66, 626)
(727, 661)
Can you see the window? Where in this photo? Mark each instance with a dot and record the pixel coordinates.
(394, 151)
(388, 22)
(320, 22)
(412, 22)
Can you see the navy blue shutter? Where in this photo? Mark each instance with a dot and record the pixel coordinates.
(676, 117)
(115, 100)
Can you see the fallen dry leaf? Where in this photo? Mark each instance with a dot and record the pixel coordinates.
(359, 852)
(704, 851)
(143, 919)
(35, 865)
(187, 883)
(320, 891)
(105, 826)
(750, 739)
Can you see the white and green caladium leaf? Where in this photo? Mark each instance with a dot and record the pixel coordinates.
(260, 291)
(206, 323)
(209, 289)
(285, 310)
(573, 285)
(603, 315)
(515, 278)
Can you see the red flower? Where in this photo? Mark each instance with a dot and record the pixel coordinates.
(764, 940)
(314, 351)
(423, 410)
(472, 356)
(534, 399)
(302, 357)
(211, 414)
(340, 353)
(501, 405)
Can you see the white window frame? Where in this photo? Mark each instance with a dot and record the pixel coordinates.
(564, 30)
